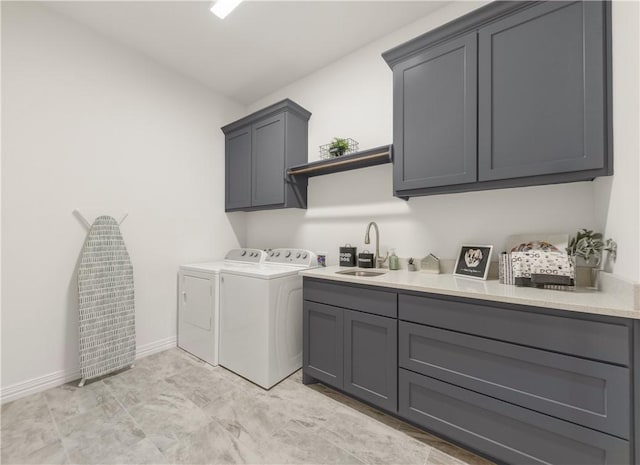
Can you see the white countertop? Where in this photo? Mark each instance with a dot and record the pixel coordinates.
(609, 303)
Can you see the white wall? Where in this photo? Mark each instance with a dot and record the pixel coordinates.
(353, 98)
(88, 124)
(618, 197)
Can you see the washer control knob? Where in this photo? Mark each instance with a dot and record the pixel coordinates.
(277, 254)
(298, 255)
(271, 254)
(304, 256)
(288, 254)
(244, 252)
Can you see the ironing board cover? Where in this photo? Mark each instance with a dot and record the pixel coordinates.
(106, 301)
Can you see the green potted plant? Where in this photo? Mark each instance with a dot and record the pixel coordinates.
(338, 146)
(587, 248)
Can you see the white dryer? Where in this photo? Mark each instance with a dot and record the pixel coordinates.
(199, 301)
(261, 317)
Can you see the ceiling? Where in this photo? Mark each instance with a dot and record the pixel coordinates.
(260, 47)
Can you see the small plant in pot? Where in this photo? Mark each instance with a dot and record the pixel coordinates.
(338, 147)
(587, 248)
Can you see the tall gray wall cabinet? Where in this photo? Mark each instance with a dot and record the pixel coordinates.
(511, 94)
(259, 149)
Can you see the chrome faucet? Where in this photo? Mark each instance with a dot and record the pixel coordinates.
(367, 240)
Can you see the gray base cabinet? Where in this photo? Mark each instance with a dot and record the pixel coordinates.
(518, 384)
(512, 94)
(323, 335)
(581, 391)
(352, 347)
(259, 149)
(504, 431)
(370, 358)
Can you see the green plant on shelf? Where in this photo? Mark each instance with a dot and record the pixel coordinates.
(338, 147)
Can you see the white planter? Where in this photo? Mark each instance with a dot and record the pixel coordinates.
(587, 272)
(593, 262)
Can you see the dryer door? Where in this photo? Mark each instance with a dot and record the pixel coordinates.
(197, 297)
(197, 323)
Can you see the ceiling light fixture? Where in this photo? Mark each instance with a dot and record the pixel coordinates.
(223, 7)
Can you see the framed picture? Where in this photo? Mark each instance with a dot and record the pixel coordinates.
(473, 261)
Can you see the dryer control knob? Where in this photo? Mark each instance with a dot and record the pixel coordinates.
(244, 252)
(271, 254)
(278, 254)
(304, 256)
(288, 254)
(298, 255)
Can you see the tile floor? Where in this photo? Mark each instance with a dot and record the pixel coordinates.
(173, 408)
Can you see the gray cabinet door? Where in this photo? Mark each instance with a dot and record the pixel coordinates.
(268, 175)
(542, 91)
(435, 101)
(238, 169)
(322, 352)
(371, 358)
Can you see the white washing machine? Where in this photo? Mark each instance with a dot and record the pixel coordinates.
(261, 317)
(199, 301)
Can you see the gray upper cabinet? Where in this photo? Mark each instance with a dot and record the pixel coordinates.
(512, 94)
(238, 168)
(542, 89)
(268, 160)
(435, 95)
(259, 150)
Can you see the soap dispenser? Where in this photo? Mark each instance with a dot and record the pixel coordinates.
(394, 261)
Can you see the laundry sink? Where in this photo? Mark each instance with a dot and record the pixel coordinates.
(362, 273)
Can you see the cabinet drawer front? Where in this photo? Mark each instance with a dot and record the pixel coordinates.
(597, 340)
(504, 431)
(588, 393)
(371, 358)
(355, 298)
(323, 354)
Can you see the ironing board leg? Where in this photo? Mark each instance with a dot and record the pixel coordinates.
(82, 381)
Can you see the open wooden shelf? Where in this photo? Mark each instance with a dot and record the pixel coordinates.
(362, 159)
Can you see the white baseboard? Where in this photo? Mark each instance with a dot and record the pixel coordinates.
(57, 378)
(156, 346)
